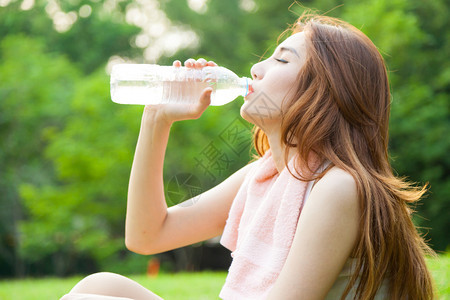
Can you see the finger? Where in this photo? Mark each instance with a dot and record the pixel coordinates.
(204, 102)
(176, 63)
(189, 63)
(212, 64)
(200, 63)
(205, 97)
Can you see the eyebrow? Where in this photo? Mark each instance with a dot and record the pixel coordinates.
(290, 50)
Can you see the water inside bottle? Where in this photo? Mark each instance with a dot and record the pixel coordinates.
(136, 92)
(144, 92)
(183, 91)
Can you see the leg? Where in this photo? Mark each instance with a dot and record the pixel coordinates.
(112, 285)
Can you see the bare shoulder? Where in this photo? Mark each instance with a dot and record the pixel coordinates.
(326, 233)
(338, 185)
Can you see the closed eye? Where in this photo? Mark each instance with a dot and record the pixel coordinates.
(281, 60)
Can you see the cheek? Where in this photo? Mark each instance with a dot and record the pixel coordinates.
(287, 92)
(285, 85)
(291, 87)
(284, 77)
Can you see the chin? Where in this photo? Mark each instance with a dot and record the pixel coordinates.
(245, 115)
(258, 117)
(251, 118)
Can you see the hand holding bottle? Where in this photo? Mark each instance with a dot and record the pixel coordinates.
(184, 110)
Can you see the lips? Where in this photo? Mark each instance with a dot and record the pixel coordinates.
(250, 91)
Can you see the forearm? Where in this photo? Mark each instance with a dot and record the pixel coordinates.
(146, 206)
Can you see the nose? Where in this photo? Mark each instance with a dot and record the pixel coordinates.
(257, 71)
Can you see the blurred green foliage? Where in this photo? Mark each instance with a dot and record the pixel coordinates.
(66, 149)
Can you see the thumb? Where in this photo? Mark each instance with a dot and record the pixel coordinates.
(204, 102)
(205, 98)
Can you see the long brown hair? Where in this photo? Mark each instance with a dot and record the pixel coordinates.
(341, 113)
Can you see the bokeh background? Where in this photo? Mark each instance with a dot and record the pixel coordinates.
(66, 149)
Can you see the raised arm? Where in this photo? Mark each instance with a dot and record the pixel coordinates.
(151, 226)
(146, 206)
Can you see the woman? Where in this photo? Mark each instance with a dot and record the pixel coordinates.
(327, 93)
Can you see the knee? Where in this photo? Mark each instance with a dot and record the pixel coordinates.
(75, 296)
(101, 276)
(109, 284)
(92, 283)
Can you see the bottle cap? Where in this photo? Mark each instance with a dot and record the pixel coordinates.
(248, 86)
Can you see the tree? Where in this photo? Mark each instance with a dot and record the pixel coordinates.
(413, 44)
(92, 155)
(34, 92)
(88, 39)
(41, 63)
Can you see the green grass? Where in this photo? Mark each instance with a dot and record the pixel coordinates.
(440, 268)
(198, 286)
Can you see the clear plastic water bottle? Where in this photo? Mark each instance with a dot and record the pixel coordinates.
(154, 84)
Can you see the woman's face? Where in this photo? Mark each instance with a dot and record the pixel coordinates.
(274, 80)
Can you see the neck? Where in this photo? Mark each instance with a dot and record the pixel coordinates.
(278, 150)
